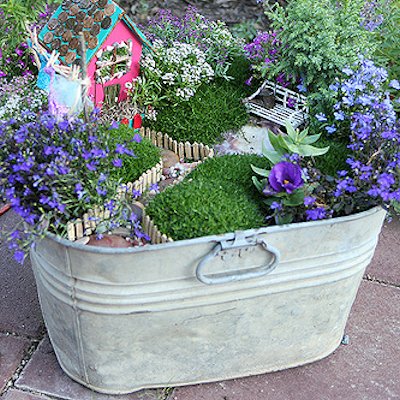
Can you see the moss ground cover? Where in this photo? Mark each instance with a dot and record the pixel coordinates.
(146, 154)
(216, 108)
(216, 198)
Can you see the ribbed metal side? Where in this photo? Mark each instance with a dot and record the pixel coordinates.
(123, 320)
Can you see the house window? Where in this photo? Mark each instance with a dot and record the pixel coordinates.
(113, 62)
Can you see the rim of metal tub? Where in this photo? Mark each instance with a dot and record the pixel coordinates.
(212, 238)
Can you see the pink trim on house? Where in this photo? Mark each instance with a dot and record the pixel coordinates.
(120, 33)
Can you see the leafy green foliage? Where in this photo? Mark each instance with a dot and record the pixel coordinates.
(319, 38)
(246, 30)
(335, 159)
(216, 108)
(146, 155)
(217, 197)
(15, 16)
(295, 142)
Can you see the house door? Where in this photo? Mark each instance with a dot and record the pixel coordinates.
(111, 95)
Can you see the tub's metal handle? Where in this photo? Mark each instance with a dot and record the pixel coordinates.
(241, 276)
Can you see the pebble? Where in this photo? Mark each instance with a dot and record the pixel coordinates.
(169, 158)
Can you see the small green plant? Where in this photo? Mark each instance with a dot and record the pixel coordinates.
(246, 30)
(285, 184)
(217, 197)
(146, 155)
(295, 142)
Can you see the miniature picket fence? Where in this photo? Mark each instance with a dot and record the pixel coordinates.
(149, 226)
(281, 112)
(86, 226)
(149, 178)
(152, 231)
(198, 152)
(195, 151)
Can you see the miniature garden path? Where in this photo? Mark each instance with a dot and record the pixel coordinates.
(365, 369)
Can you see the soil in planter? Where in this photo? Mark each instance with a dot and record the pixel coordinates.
(217, 197)
(146, 155)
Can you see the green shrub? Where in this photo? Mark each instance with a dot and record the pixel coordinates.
(319, 39)
(146, 155)
(216, 198)
(216, 108)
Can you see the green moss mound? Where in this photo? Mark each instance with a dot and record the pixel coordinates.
(216, 198)
(146, 155)
(216, 108)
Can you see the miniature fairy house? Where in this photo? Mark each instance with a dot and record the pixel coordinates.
(113, 44)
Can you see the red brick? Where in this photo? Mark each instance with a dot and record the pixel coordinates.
(43, 375)
(12, 350)
(13, 394)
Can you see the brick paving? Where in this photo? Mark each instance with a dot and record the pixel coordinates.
(365, 369)
(13, 394)
(12, 351)
(20, 311)
(43, 375)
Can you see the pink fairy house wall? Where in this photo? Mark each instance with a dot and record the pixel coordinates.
(112, 41)
(121, 33)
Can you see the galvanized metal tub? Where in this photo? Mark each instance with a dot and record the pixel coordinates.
(202, 310)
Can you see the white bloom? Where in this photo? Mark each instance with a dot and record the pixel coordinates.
(168, 78)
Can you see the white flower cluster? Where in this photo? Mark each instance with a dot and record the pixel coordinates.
(14, 104)
(151, 113)
(222, 37)
(179, 69)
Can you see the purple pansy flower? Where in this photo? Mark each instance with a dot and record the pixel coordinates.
(285, 177)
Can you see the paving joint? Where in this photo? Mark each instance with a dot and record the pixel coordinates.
(370, 278)
(166, 393)
(23, 336)
(34, 393)
(25, 359)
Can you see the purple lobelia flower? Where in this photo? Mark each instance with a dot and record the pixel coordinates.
(285, 177)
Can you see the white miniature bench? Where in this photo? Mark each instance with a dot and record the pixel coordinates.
(281, 112)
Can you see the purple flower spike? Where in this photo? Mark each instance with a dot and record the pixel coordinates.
(285, 177)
